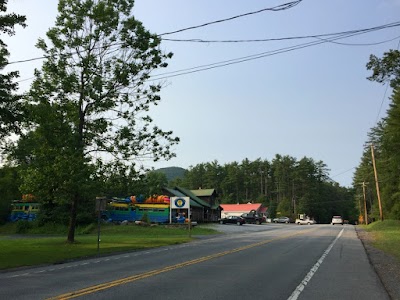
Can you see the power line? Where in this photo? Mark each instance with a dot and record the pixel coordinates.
(337, 36)
(195, 40)
(275, 8)
(390, 25)
(255, 56)
(279, 39)
(262, 55)
(364, 44)
(343, 172)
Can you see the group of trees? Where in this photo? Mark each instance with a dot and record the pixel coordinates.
(286, 185)
(385, 141)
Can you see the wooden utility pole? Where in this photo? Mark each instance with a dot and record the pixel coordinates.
(365, 204)
(377, 183)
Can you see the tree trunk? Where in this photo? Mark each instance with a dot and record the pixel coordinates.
(72, 220)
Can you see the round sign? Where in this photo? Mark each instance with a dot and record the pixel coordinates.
(180, 202)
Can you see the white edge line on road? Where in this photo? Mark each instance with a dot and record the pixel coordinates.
(296, 293)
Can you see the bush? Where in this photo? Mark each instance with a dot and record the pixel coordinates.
(23, 226)
(145, 218)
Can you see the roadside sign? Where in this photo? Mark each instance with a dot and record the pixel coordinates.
(180, 202)
(101, 204)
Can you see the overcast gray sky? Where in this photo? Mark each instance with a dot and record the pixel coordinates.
(312, 101)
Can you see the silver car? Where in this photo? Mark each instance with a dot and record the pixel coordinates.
(337, 220)
(281, 220)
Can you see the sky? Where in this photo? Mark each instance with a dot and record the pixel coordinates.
(313, 102)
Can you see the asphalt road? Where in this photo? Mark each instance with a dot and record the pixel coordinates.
(271, 261)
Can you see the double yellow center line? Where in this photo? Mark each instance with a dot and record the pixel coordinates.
(107, 285)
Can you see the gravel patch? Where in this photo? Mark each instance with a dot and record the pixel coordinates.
(386, 266)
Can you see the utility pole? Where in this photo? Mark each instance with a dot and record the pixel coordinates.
(377, 183)
(365, 204)
(293, 198)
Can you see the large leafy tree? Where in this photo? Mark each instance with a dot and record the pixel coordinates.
(10, 109)
(89, 101)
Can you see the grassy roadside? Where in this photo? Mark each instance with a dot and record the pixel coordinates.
(37, 247)
(386, 236)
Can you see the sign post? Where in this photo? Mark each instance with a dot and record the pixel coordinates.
(181, 203)
(101, 203)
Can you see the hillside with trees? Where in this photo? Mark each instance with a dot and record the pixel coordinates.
(172, 173)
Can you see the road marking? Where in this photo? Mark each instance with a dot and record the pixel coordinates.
(296, 293)
(107, 285)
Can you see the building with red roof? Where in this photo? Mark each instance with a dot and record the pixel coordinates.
(239, 209)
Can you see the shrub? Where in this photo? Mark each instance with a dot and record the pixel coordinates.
(145, 218)
(23, 226)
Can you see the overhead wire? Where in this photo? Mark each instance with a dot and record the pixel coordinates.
(364, 44)
(336, 36)
(344, 172)
(260, 55)
(196, 40)
(390, 25)
(275, 8)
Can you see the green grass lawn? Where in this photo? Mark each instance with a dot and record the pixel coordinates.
(386, 236)
(37, 247)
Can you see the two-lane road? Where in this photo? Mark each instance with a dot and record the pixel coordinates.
(274, 261)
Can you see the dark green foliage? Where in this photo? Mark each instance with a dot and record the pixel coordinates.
(9, 185)
(10, 106)
(386, 68)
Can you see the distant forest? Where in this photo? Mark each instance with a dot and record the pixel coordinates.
(286, 185)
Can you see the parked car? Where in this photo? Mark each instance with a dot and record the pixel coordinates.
(253, 218)
(305, 222)
(303, 219)
(232, 220)
(337, 220)
(281, 220)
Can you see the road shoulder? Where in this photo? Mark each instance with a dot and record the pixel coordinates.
(386, 266)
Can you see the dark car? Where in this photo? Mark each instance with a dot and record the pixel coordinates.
(281, 220)
(253, 218)
(232, 220)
